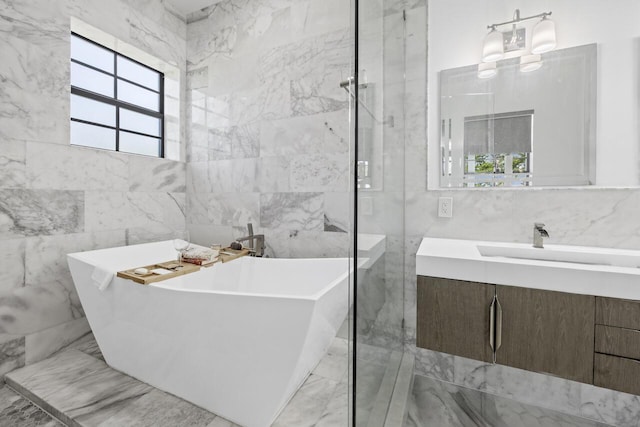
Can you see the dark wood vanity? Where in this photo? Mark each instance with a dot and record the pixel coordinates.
(593, 340)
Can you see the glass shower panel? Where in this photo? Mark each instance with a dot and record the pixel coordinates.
(380, 169)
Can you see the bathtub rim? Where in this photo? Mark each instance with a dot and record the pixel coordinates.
(165, 284)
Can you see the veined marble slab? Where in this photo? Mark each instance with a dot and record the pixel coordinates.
(77, 388)
(40, 212)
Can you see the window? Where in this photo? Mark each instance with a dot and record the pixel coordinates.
(117, 103)
(497, 149)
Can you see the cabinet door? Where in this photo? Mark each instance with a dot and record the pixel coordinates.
(546, 331)
(453, 317)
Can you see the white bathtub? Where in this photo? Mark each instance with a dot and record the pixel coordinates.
(237, 339)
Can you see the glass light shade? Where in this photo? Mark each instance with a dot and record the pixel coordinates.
(544, 37)
(529, 63)
(493, 48)
(486, 70)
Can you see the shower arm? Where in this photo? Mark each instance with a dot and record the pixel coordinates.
(346, 85)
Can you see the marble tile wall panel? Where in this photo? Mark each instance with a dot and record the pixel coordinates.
(12, 264)
(292, 211)
(41, 344)
(197, 78)
(136, 27)
(46, 260)
(62, 167)
(318, 93)
(40, 212)
(218, 110)
(152, 174)
(320, 172)
(151, 233)
(311, 244)
(198, 178)
(338, 212)
(267, 102)
(316, 17)
(235, 175)
(13, 165)
(30, 309)
(32, 20)
(35, 69)
(273, 174)
(311, 134)
(135, 209)
(232, 209)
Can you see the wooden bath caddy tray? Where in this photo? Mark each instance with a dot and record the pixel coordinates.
(231, 254)
(177, 269)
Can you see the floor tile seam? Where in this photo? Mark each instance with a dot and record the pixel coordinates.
(518, 401)
(36, 405)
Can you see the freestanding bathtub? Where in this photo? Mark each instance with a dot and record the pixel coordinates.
(237, 339)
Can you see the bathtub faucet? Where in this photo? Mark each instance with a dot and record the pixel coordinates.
(256, 242)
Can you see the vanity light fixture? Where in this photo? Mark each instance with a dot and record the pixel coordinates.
(497, 42)
(530, 63)
(486, 70)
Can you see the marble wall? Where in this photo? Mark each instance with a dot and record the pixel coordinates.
(56, 198)
(268, 124)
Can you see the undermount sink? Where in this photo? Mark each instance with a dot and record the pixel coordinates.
(572, 254)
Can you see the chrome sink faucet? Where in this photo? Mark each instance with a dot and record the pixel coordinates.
(255, 242)
(538, 234)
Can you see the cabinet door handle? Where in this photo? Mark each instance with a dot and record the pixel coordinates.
(492, 324)
(498, 324)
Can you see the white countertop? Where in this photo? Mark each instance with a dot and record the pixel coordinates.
(462, 260)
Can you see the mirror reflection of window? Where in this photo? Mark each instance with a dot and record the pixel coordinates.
(497, 149)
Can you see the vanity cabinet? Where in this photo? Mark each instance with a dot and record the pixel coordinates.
(617, 345)
(454, 318)
(547, 331)
(542, 331)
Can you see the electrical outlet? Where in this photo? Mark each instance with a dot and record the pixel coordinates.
(445, 207)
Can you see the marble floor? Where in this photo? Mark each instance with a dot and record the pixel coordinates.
(78, 388)
(436, 403)
(16, 411)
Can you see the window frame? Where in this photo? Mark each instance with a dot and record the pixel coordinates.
(117, 103)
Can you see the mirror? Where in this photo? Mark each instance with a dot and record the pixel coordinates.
(520, 128)
(610, 155)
